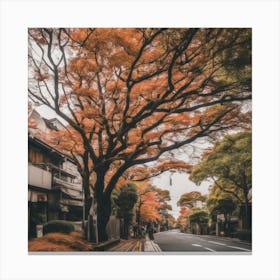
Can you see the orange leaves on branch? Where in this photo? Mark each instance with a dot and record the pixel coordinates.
(83, 66)
(149, 207)
(79, 34)
(185, 211)
(142, 173)
(152, 202)
(134, 94)
(183, 218)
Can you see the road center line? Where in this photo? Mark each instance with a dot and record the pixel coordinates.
(197, 245)
(218, 243)
(211, 250)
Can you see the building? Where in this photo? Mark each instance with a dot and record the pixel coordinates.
(54, 184)
(200, 204)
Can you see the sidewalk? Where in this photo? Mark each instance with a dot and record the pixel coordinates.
(150, 245)
(129, 245)
(135, 245)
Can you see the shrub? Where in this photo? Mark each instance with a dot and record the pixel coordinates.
(58, 226)
(245, 235)
(59, 242)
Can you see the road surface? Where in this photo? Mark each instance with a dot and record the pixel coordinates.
(175, 241)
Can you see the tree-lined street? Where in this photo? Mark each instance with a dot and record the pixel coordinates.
(131, 104)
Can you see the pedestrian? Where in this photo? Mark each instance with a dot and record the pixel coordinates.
(142, 231)
(150, 230)
(135, 230)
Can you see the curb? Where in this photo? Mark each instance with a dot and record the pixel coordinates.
(106, 245)
(150, 246)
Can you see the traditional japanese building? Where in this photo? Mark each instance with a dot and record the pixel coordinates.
(54, 184)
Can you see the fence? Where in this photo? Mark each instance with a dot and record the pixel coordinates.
(113, 228)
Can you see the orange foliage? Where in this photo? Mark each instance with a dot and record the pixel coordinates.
(185, 211)
(142, 173)
(59, 242)
(183, 218)
(149, 202)
(149, 207)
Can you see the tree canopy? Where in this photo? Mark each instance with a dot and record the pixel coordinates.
(199, 216)
(229, 165)
(189, 199)
(152, 203)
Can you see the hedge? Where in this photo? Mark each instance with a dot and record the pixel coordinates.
(58, 226)
(244, 235)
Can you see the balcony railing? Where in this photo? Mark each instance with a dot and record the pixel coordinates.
(39, 178)
(61, 182)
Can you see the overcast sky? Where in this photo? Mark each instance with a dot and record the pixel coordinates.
(180, 184)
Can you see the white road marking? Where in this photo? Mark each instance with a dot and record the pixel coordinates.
(228, 246)
(243, 249)
(211, 250)
(197, 245)
(218, 243)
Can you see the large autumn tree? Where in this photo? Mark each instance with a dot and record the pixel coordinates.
(133, 96)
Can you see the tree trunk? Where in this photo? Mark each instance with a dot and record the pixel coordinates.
(247, 221)
(103, 204)
(103, 216)
(88, 199)
(226, 224)
(87, 227)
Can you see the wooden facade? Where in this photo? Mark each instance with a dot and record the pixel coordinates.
(53, 191)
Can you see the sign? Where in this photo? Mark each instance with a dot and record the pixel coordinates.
(41, 197)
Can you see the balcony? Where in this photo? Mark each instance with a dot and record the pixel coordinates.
(59, 182)
(38, 177)
(74, 192)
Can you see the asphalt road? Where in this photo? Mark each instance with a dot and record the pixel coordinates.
(175, 241)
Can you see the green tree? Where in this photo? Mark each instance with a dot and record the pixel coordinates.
(124, 200)
(200, 218)
(189, 199)
(225, 206)
(229, 165)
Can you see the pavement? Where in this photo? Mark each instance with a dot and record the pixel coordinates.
(150, 245)
(175, 241)
(129, 245)
(135, 245)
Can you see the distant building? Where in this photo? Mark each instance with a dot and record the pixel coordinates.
(54, 184)
(199, 204)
